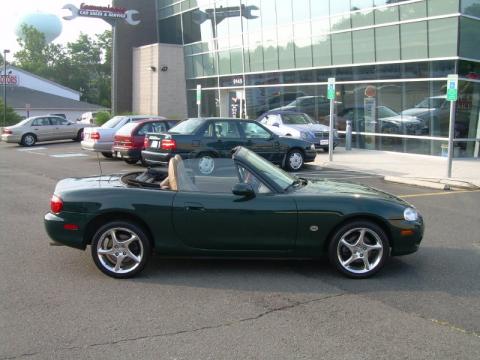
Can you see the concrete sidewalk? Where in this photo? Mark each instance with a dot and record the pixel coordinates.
(406, 168)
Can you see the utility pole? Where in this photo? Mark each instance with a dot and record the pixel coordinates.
(5, 52)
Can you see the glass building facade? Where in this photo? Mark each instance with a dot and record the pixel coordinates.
(390, 59)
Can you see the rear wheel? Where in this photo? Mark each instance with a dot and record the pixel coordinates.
(28, 140)
(131, 161)
(206, 164)
(120, 249)
(107, 154)
(359, 249)
(294, 160)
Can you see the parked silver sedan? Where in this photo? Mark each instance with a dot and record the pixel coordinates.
(42, 128)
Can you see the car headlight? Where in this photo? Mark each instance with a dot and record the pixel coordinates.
(306, 135)
(410, 214)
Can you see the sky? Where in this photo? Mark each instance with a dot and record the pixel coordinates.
(12, 12)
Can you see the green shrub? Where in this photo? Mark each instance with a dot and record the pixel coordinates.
(12, 117)
(102, 117)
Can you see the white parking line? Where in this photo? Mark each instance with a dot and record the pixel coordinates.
(32, 149)
(68, 155)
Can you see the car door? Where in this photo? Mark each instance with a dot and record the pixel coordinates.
(227, 222)
(261, 141)
(62, 129)
(42, 129)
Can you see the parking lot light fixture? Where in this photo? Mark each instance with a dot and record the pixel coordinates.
(5, 52)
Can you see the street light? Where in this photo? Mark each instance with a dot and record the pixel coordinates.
(5, 52)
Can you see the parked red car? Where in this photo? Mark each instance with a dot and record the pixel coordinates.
(128, 141)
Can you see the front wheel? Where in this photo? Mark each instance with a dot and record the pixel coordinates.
(294, 160)
(359, 249)
(120, 249)
(79, 136)
(28, 140)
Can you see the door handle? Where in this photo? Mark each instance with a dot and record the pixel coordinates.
(191, 206)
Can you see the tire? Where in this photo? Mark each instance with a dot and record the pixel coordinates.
(107, 154)
(131, 161)
(28, 140)
(294, 160)
(125, 260)
(351, 254)
(206, 164)
(79, 135)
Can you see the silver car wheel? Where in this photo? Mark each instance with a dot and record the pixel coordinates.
(29, 140)
(295, 161)
(206, 165)
(360, 250)
(120, 250)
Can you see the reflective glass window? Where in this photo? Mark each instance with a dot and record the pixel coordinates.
(255, 52)
(469, 38)
(342, 48)
(236, 61)
(362, 18)
(303, 45)
(338, 6)
(170, 30)
(286, 57)
(319, 8)
(363, 46)
(284, 11)
(361, 4)
(340, 22)
(387, 43)
(268, 12)
(209, 64)
(436, 7)
(413, 10)
(270, 49)
(197, 65)
(224, 62)
(414, 40)
(301, 10)
(386, 15)
(471, 7)
(442, 37)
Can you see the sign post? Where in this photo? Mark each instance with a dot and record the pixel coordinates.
(199, 100)
(331, 97)
(452, 96)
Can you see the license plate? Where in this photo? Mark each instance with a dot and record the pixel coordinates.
(154, 144)
(119, 155)
(323, 142)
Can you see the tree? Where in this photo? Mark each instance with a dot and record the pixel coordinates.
(83, 65)
(12, 117)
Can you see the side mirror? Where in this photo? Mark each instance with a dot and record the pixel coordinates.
(243, 189)
(276, 124)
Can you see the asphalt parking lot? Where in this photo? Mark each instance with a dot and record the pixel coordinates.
(54, 303)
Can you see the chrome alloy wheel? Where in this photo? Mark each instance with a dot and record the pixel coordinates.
(120, 250)
(360, 250)
(206, 165)
(29, 140)
(295, 160)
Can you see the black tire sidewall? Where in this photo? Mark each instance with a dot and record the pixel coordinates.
(23, 140)
(332, 248)
(131, 226)
(287, 159)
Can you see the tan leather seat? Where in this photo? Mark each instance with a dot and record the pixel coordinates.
(171, 181)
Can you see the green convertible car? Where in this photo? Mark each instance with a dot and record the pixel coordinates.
(249, 208)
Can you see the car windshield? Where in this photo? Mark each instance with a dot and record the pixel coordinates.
(297, 119)
(126, 129)
(384, 112)
(430, 103)
(113, 122)
(267, 169)
(187, 127)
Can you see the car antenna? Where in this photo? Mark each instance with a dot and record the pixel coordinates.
(99, 164)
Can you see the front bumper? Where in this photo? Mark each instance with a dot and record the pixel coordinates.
(310, 155)
(97, 146)
(11, 138)
(406, 236)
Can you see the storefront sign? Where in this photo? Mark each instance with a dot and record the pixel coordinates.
(9, 80)
(107, 13)
(452, 88)
(199, 94)
(231, 81)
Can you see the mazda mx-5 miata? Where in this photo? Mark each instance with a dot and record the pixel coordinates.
(249, 208)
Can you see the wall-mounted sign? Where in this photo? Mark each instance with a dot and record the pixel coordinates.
(452, 87)
(228, 81)
(108, 13)
(9, 80)
(331, 89)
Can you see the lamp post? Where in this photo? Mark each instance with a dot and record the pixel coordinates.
(5, 52)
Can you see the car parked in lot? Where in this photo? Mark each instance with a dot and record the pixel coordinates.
(251, 209)
(298, 125)
(210, 138)
(42, 128)
(100, 139)
(129, 139)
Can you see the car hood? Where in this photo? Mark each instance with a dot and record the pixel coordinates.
(308, 127)
(417, 111)
(333, 187)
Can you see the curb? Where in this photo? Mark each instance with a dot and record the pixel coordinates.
(416, 182)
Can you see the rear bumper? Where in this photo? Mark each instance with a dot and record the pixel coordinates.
(54, 225)
(126, 153)
(156, 158)
(11, 138)
(97, 146)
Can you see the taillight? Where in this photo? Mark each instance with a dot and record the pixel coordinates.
(7, 131)
(169, 144)
(146, 143)
(56, 204)
(95, 135)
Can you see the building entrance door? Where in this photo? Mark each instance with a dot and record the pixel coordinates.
(232, 103)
